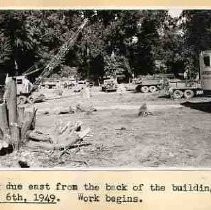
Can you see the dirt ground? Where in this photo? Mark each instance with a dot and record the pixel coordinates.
(176, 134)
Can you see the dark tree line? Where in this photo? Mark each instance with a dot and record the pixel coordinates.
(113, 42)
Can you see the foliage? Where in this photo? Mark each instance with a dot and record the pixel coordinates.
(113, 41)
(116, 65)
(5, 49)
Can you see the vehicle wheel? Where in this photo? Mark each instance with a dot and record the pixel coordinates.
(138, 88)
(177, 94)
(152, 89)
(188, 94)
(159, 87)
(30, 99)
(144, 89)
(21, 100)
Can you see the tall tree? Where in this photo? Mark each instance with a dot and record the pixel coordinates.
(197, 28)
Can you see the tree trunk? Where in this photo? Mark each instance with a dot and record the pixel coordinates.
(12, 113)
(3, 119)
(12, 102)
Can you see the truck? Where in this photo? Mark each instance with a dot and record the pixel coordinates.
(148, 84)
(49, 83)
(24, 89)
(109, 85)
(184, 88)
(190, 88)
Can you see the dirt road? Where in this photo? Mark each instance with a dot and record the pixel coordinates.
(177, 134)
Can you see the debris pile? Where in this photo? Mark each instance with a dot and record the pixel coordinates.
(65, 136)
(17, 130)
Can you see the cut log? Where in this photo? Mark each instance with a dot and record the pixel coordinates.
(65, 142)
(47, 146)
(38, 136)
(85, 107)
(63, 110)
(3, 119)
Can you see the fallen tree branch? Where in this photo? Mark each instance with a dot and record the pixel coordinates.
(45, 142)
(47, 146)
(38, 136)
(17, 127)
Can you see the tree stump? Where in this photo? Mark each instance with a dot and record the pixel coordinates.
(3, 119)
(13, 124)
(17, 127)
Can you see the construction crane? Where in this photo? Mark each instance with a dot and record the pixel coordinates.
(57, 59)
(25, 88)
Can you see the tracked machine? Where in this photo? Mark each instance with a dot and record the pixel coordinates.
(25, 88)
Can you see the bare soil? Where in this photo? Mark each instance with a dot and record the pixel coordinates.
(177, 134)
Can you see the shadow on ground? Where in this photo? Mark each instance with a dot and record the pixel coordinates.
(201, 106)
(164, 96)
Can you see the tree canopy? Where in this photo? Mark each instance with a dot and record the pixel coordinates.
(133, 42)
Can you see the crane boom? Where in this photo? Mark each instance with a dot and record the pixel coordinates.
(57, 59)
(38, 66)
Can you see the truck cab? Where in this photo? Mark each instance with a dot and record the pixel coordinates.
(24, 86)
(109, 85)
(205, 71)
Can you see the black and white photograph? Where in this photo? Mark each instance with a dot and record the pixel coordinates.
(105, 88)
